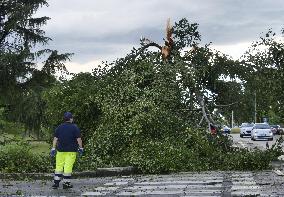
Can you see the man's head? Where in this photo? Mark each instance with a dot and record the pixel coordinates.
(68, 117)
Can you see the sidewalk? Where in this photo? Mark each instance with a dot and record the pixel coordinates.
(100, 172)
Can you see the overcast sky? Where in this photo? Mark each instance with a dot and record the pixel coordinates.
(100, 30)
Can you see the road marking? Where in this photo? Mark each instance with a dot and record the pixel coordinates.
(244, 185)
(278, 172)
(106, 188)
(192, 184)
(137, 193)
(116, 183)
(199, 184)
(204, 182)
(95, 193)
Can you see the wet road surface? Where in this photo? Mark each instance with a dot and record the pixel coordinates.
(265, 183)
(246, 142)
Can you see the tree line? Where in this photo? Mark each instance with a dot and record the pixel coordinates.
(144, 102)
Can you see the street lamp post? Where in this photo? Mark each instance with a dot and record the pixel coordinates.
(254, 107)
(232, 119)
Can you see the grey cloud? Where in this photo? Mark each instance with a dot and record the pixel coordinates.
(98, 46)
(131, 36)
(99, 29)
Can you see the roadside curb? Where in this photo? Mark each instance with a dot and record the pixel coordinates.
(100, 172)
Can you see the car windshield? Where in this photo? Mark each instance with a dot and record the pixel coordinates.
(274, 126)
(247, 125)
(262, 126)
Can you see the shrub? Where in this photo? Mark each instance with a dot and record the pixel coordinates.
(162, 157)
(191, 150)
(17, 156)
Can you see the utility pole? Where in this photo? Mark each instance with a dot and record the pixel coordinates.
(232, 119)
(254, 107)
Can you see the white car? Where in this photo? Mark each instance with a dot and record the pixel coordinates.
(261, 131)
(246, 129)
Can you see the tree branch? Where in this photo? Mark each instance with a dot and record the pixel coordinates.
(200, 121)
(226, 105)
(152, 44)
(210, 117)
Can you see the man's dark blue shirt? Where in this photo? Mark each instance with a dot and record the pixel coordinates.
(67, 134)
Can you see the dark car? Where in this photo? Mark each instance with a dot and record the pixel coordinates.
(276, 129)
(226, 130)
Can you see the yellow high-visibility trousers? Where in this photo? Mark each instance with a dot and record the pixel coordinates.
(65, 162)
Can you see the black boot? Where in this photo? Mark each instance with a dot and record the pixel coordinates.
(56, 180)
(67, 185)
(55, 185)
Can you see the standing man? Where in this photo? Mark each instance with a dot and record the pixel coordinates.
(66, 143)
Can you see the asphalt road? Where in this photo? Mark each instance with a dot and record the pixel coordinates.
(265, 183)
(213, 183)
(246, 142)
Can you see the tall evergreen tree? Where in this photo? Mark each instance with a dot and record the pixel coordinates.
(20, 79)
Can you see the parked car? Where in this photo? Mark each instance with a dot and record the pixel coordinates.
(226, 130)
(246, 129)
(276, 129)
(261, 131)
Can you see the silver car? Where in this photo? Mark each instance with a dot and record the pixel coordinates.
(246, 129)
(261, 131)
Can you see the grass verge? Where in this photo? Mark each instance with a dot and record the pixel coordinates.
(235, 130)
